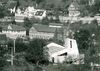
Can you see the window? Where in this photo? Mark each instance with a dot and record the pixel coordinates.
(70, 44)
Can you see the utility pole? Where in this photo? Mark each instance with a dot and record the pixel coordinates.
(13, 53)
(14, 46)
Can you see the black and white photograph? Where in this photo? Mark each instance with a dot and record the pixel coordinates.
(49, 35)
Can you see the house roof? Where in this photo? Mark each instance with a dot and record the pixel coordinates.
(44, 28)
(53, 48)
(13, 27)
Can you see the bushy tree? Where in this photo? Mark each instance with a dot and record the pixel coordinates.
(83, 39)
(37, 68)
(27, 25)
(36, 51)
(2, 58)
(94, 9)
(87, 45)
(1, 12)
(20, 45)
(45, 21)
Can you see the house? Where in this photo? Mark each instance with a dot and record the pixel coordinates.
(86, 19)
(30, 9)
(14, 31)
(21, 14)
(29, 12)
(73, 9)
(69, 19)
(46, 31)
(58, 53)
(19, 17)
(6, 19)
(41, 31)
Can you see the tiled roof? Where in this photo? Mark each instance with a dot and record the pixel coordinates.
(44, 28)
(14, 28)
(53, 48)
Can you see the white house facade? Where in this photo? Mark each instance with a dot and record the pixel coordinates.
(14, 31)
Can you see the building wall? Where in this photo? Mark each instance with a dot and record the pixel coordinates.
(76, 19)
(14, 34)
(43, 35)
(74, 13)
(57, 59)
(19, 17)
(72, 48)
(33, 33)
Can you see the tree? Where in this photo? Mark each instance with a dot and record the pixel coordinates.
(1, 12)
(64, 1)
(38, 2)
(94, 9)
(37, 68)
(2, 58)
(0, 29)
(20, 45)
(45, 21)
(36, 51)
(86, 43)
(27, 25)
(18, 4)
(14, 22)
(84, 2)
(83, 38)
